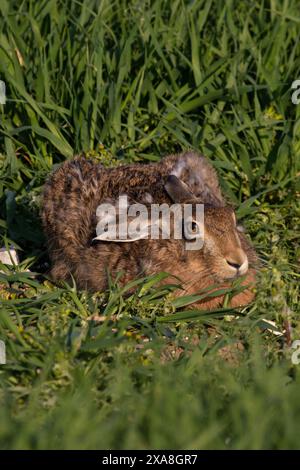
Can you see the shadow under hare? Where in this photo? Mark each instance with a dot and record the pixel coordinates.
(74, 191)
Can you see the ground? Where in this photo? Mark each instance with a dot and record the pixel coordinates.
(132, 81)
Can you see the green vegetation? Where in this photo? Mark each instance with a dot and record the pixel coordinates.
(138, 80)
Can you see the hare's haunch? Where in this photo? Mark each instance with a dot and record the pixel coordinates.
(73, 193)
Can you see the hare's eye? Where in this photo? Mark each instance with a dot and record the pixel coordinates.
(190, 229)
(194, 227)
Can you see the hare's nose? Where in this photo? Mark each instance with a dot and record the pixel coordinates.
(233, 264)
(240, 265)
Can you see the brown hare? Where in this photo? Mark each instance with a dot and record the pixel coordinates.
(74, 191)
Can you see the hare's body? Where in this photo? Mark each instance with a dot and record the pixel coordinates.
(74, 191)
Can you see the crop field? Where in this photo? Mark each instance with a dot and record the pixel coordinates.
(132, 81)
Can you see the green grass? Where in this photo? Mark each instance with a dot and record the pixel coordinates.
(138, 80)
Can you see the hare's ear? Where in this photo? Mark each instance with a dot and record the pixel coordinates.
(123, 233)
(177, 189)
(120, 221)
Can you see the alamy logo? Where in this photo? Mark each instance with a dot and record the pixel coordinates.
(2, 92)
(296, 354)
(125, 222)
(296, 93)
(2, 352)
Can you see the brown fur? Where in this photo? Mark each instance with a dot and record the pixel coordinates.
(73, 192)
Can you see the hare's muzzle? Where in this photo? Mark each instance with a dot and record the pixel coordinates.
(238, 263)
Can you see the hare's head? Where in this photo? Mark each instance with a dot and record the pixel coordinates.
(221, 253)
